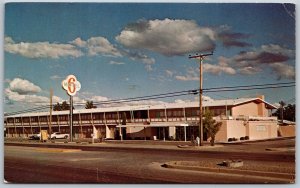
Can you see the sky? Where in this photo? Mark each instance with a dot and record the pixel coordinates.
(124, 50)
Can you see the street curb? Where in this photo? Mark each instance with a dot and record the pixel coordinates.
(285, 176)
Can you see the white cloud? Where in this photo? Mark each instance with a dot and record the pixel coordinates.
(269, 56)
(77, 99)
(116, 63)
(277, 49)
(8, 40)
(168, 37)
(56, 77)
(149, 68)
(23, 86)
(192, 75)
(97, 46)
(41, 49)
(25, 92)
(206, 98)
(181, 101)
(284, 71)
(249, 70)
(100, 45)
(218, 69)
(15, 96)
(186, 78)
(169, 73)
(56, 99)
(99, 98)
(79, 42)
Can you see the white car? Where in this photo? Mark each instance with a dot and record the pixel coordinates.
(35, 136)
(58, 135)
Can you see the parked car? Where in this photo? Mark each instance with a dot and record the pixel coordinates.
(35, 136)
(58, 135)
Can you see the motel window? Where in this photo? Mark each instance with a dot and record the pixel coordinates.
(17, 120)
(75, 117)
(10, 120)
(108, 116)
(85, 117)
(33, 119)
(160, 114)
(26, 120)
(97, 116)
(43, 119)
(63, 118)
(260, 128)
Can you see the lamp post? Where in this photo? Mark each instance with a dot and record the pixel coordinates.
(201, 58)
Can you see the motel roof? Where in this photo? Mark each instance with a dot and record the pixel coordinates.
(210, 103)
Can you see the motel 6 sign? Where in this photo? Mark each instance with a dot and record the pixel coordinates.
(71, 85)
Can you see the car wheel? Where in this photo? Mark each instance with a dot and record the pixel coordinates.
(66, 137)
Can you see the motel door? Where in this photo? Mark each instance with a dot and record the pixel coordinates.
(162, 132)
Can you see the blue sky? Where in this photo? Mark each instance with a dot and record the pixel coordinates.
(122, 50)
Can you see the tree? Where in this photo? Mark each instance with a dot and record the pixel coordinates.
(62, 107)
(210, 126)
(288, 112)
(89, 105)
(57, 107)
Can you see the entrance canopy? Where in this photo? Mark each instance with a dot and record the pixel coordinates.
(154, 125)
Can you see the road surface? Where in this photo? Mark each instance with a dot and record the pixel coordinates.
(57, 165)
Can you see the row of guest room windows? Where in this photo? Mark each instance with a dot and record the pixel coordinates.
(136, 114)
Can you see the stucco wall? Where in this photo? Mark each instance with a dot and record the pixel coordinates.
(221, 135)
(248, 109)
(235, 129)
(262, 129)
(287, 131)
(139, 132)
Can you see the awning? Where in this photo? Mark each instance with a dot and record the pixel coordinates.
(154, 125)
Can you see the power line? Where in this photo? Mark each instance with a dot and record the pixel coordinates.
(173, 94)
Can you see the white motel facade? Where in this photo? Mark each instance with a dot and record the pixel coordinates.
(241, 117)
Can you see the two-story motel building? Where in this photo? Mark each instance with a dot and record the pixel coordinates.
(170, 121)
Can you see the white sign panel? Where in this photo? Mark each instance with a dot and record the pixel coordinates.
(71, 85)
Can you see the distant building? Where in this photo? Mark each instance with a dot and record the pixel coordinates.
(242, 117)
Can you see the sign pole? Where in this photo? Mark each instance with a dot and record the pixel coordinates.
(71, 118)
(71, 85)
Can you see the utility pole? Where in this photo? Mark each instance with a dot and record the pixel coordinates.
(201, 58)
(50, 123)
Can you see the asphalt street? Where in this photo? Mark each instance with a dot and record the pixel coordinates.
(114, 164)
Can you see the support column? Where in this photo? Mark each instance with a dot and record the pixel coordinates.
(164, 133)
(22, 127)
(184, 133)
(149, 115)
(166, 116)
(30, 125)
(121, 134)
(15, 127)
(92, 121)
(80, 122)
(58, 123)
(39, 122)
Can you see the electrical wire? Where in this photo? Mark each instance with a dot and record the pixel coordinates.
(171, 94)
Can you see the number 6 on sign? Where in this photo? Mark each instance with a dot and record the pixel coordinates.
(71, 85)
